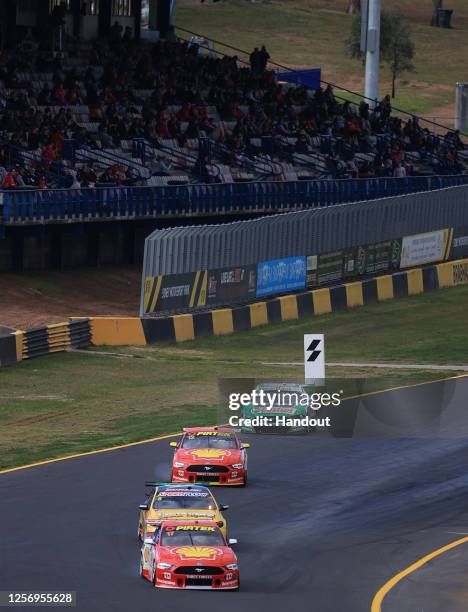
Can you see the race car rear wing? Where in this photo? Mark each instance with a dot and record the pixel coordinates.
(179, 485)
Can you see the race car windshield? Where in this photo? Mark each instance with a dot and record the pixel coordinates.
(198, 536)
(209, 441)
(167, 500)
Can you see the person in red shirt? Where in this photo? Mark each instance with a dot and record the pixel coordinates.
(59, 94)
(57, 141)
(72, 96)
(49, 154)
(10, 180)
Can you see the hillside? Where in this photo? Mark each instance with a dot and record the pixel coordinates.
(312, 33)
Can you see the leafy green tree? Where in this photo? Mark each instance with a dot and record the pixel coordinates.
(396, 44)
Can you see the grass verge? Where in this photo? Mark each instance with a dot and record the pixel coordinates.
(310, 33)
(66, 403)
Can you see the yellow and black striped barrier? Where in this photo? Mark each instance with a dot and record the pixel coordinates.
(222, 321)
(81, 333)
(55, 338)
(38, 341)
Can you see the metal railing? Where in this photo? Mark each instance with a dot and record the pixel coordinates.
(79, 205)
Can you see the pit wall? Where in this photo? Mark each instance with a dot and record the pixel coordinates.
(119, 331)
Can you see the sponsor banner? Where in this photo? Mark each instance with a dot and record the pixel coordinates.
(281, 275)
(195, 289)
(459, 243)
(353, 263)
(460, 273)
(425, 248)
(230, 285)
(175, 291)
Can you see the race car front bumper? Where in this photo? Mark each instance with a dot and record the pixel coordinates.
(228, 580)
(221, 475)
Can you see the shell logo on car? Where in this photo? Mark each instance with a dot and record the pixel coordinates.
(209, 453)
(196, 552)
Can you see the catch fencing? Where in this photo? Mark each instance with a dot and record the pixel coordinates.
(203, 266)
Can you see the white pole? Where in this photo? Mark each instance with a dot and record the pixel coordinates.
(371, 87)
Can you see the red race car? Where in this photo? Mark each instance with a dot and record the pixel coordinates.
(189, 555)
(211, 455)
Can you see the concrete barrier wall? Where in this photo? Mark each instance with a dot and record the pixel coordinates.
(119, 331)
(10, 348)
(183, 327)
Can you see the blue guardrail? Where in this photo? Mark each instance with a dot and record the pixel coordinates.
(56, 205)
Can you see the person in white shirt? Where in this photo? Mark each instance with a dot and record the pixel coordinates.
(400, 171)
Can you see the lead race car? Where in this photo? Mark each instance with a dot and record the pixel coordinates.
(212, 455)
(189, 555)
(173, 501)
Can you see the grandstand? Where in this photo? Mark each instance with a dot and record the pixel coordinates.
(123, 128)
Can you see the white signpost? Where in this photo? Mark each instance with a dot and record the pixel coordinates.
(314, 357)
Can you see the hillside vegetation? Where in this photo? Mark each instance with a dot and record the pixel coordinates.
(306, 33)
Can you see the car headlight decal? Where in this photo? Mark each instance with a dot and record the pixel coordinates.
(163, 566)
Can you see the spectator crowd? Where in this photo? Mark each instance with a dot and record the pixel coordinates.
(165, 91)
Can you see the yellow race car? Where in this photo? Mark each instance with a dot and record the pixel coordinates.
(178, 501)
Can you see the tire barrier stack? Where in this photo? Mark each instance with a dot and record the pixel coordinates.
(38, 341)
(56, 338)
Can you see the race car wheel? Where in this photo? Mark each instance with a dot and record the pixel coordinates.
(245, 479)
(153, 574)
(141, 569)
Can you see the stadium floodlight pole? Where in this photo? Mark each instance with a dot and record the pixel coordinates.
(371, 86)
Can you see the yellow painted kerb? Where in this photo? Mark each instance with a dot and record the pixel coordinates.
(388, 586)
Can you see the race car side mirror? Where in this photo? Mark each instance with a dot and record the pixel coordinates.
(172, 443)
(224, 507)
(143, 506)
(149, 541)
(231, 541)
(245, 445)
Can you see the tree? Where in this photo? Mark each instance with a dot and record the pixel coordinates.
(396, 44)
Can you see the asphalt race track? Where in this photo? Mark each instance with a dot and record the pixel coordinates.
(323, 523)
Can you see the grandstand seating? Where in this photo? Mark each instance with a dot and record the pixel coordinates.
(107, 115)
